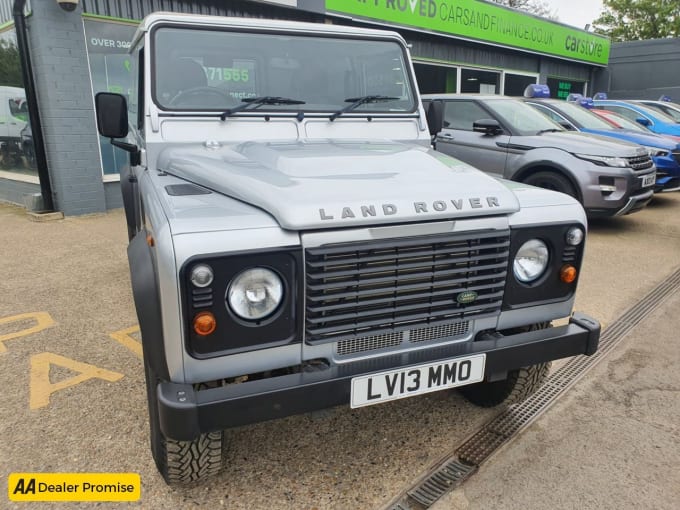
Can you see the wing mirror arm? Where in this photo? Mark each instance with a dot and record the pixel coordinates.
(135, 153)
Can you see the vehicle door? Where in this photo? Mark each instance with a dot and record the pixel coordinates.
(18, 115)
(458, 139)
(4, 116)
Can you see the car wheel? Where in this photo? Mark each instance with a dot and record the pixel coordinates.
(181, 462)
(552, 181)
(519, 385)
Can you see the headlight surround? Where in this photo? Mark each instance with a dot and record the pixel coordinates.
(531, 261)
(604, 160)
(655, 152)
(255, 294)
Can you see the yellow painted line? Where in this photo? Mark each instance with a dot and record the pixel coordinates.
(123, 337)
(43, 321)
(41, 388)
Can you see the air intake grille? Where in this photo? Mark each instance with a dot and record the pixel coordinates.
(402, 338)
(374, 287)
(640, 162)
(676, 155)
(434, 332)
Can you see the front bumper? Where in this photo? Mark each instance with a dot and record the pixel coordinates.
(184, 413)
(629, 196)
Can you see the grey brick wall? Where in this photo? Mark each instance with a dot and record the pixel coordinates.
(64, 88)
(114, 198)
(14, 191)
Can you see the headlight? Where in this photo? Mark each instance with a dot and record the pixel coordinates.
(604, 160)
(255, 293)
(530, 261)
(655, 151)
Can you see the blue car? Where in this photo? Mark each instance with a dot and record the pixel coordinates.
(664, 152)
(655, 120)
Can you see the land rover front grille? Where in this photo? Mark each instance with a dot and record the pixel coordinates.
(390, 340)
(373, 288)
(640, 162)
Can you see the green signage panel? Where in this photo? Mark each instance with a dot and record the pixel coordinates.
(484, 22)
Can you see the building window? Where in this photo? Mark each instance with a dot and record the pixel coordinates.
(561, 88)
(17, 153)
(514, 84)
(110, 68)
(433, 79)
(479, 81)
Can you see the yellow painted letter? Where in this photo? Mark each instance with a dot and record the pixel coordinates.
(42, 388)
(42, 319)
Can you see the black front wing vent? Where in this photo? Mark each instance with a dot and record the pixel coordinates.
(372, 287)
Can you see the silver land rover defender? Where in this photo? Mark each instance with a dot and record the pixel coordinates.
(295, 243)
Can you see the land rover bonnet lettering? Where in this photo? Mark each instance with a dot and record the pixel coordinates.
(373, 210)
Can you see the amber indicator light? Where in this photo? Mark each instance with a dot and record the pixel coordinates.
(568, 274)
(204, 323)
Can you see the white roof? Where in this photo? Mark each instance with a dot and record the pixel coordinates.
(258, 24)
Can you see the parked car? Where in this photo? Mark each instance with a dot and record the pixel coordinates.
(508, 138)
(655, 120)
(665, 153)
(668, 107)
(619, 121)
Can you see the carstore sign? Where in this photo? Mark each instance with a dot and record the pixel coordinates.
(484, 22)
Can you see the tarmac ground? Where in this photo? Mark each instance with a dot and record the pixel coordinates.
(74, 400)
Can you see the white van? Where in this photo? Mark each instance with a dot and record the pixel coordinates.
(13, 119)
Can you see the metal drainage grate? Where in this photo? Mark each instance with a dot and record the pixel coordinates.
(501, 429)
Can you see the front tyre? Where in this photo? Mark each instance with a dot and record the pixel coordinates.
(519, 385)
(552, 181)
(181, 462)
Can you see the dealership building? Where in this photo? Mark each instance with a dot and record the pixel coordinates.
(464, 46)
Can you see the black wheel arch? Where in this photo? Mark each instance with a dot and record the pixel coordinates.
(145, 290)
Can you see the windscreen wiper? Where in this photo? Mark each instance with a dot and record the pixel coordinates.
(256, 102)
(358, 101)
(551, 130)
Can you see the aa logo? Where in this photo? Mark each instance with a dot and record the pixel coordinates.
(25, 488)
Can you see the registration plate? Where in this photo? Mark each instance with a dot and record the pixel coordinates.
(394, 384)
(648, 180)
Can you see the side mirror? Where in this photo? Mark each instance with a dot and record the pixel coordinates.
(435, 116)
(112, 118)
(112, 122)
(644, 121)
(487, 126)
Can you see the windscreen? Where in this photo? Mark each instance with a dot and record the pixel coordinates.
(522, 118)
(669, 109)
(663, 117)
(219, 69)
(583, 117)
(625, 123)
